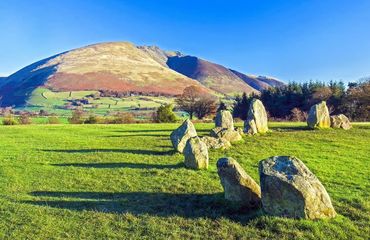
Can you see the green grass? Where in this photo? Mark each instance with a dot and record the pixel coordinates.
(124, 181)
(54, 102)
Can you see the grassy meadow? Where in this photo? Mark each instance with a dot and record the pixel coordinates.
(126, 182)
(55, 102)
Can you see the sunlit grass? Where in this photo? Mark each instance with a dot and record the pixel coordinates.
(124, 181)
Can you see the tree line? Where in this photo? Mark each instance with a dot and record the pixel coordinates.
(293, 101)
(289, 102)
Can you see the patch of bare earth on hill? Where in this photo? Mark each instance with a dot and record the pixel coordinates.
(109, 81)
(88, 81)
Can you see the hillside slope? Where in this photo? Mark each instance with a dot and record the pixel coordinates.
(124, 67)
(213, 76)
(107, 66)
(258, 82)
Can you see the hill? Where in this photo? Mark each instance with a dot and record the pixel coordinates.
(211, 75)
(108, 66)
(123, 67)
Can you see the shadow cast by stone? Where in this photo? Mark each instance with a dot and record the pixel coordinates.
(131, 151)
(121, 165)
(159, 204)
(290, 128)
(143, 131)
(154, 131)
(137, 135)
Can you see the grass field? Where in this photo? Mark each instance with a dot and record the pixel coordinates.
(54, 102)
(125, 181)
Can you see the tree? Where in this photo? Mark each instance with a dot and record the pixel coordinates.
(165, 114)
(297, 115)
(241, 106)
(281, 101)
(123, 117)
(9, 119)
(78, 116)
(196, 101)
(356, 102)
(221, 106)
(321, 94)
(25, 118)
(205, 106)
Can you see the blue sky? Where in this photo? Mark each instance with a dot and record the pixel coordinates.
(294, 40)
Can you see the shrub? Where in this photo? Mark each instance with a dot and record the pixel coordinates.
(42, 112)
(77, 117)
(9, 120)
(53, 120)
(298, 115)
(93, 119)
(24, 119)
(123, 117)
(165, 114)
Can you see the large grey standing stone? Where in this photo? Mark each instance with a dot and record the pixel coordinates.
(196, 154)
(230, 135)
(224, 119)
(239, 187)
(340, 121)
(290, 189)
(180, 136)
(216, 143)
(256, 121)
(318, 116)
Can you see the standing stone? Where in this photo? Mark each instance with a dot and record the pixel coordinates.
(290, 189)
(318, 117)
(224, 119)
(340, 121)
(230, 135)
(216, 143)
(180, 136)
(239, 187)
(196, 154)
(256, 121)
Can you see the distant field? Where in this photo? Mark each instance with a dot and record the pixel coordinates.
(125, 181)
(54, 102)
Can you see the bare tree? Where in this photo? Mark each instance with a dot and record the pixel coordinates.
(321, 94)
(357, 101)
(196, 101)
(205, 106)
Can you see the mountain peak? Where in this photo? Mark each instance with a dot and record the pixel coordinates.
(124, 67)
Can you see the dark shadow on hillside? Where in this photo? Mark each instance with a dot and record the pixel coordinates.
(20, 85)
(17, 93)
(120, 165)
(132, 151)
(158, 204)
